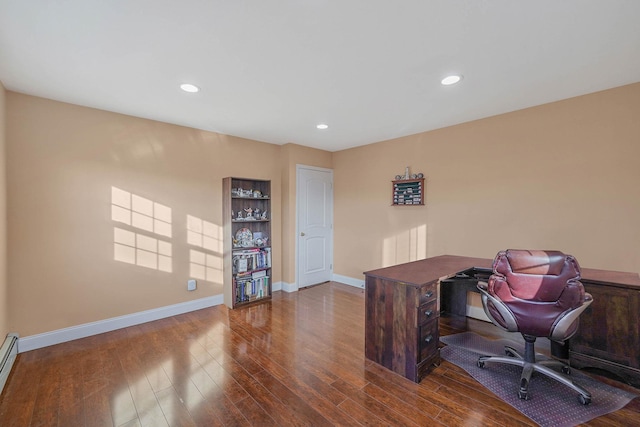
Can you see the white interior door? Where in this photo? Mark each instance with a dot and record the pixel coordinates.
(315, 225)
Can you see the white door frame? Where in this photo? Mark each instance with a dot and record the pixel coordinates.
(298, 209)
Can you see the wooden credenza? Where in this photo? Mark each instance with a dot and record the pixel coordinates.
(402, 309)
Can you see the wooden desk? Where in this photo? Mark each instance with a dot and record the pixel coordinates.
(609, 334)
(402, 310)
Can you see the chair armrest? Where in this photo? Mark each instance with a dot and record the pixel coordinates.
(559, 332)
(508, 318)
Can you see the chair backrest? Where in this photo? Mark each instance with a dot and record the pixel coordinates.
(538, 287)
(536, 275)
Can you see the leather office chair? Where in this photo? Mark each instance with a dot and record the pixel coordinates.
(539, 294)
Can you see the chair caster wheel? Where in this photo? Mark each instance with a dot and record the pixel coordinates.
(523, 393)
(584, 400)
(566, 370)
(480, 364)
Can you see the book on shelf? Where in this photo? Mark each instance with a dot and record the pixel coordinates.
(258, 274)
(251, 259)
(249, 288)
(242, 265)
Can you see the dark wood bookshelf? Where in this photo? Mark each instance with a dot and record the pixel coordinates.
(246, 211)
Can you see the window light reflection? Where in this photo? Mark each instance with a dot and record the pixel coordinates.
(410, 245)
(142, 214)
(205, 264)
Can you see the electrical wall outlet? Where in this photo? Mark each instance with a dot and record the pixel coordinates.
(191, 285)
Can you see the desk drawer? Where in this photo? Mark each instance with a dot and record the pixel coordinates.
(427, 312)
(428, 293)
(429, 336)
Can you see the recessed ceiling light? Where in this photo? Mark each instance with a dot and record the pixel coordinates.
(322, 126)
(451, 80)
(188, 87)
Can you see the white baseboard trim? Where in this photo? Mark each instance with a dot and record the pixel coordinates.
(358, 283)
(276, 286)
(8, 354)
(46, 339)
(293, 287)
(289, 287)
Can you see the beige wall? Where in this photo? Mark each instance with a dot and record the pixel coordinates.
(559, 176)
(293, 155)
(64, 160)
(4, 307)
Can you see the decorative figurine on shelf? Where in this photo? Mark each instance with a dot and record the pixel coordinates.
(257, 194)
(256, 213)
(407, 175)
(262, 241)
(249, 212)
(264, 215)
(239, 217)
(257, 239)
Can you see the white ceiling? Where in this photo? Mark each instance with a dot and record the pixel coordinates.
(272, 70)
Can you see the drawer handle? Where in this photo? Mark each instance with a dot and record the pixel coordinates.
(429, 294)
(428, 339)
(428, 313)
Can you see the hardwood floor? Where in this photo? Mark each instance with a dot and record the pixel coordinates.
(296, 361)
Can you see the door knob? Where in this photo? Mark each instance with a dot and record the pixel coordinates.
(302, 234)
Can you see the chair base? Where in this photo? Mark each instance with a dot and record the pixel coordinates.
(529, 366)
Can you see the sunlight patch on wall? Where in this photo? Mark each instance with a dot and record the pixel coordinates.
(143, 214)
(208, 236)
(410, 245)
(134, 248)
(205, 266)
(204, 234)
(140, 213)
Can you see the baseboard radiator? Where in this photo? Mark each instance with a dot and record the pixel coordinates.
(8, 353)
